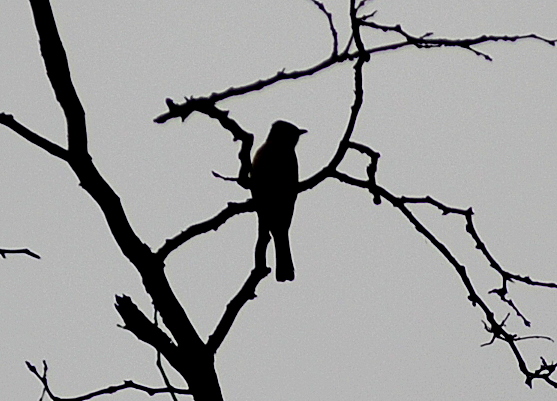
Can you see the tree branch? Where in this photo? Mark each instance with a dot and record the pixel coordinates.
(137, 323)
(43, 143)
(232, 209)
(128, 384)
(426, 41)
(332, 28)
(165, 377)
(238, 133)
(58, 71)
(207, 107)
(191, 360)
(354, 110)
(422, 42)
(246, 293)
(371, 169)
(495, 328)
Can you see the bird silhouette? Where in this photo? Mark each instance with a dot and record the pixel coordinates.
(274, 187)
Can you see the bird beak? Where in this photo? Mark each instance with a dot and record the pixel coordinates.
(302, 131)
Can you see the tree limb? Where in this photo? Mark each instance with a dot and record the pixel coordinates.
(246, 293)
(58, 71)
(495, 328)
(423, 42)
(195, 365)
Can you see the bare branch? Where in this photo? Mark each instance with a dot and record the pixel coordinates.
(207, 106)
(426, 41)
(165, 377)
(232, 209)
(246, 293)
(189, 357)
(137, 323)
(26, 251)
(506, 276)
(128, 384)
(371, 169)
(355, 109)
(480, 245)
(334, 32)
(362, 4)
(342, 177)
(222, 177)
(159, 362)
(444, 209)
(497, 329)
(355, 23)
(58, 72)
(43, 143)
(238, 133)
(185, 109)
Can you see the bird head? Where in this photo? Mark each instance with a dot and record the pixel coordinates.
(285, 133)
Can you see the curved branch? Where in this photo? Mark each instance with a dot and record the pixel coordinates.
(354, 111)
(239, 134)
(332, 28)
(207, 107)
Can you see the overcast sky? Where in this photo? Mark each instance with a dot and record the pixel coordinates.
(375, 311)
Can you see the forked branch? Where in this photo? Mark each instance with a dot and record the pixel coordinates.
(422, 42)
(495, 328)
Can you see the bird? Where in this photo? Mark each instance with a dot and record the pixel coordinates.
(274, 188)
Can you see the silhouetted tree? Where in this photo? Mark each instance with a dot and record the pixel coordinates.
(185, 351)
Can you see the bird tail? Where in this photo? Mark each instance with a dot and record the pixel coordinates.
(284, 268)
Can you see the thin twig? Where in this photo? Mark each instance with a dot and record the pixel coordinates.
(334, 32)
(26, 251)
(127, 384)
(344, 143)
(160, 366)
(426, 41)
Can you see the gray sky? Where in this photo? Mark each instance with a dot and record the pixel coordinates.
(375, 312)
